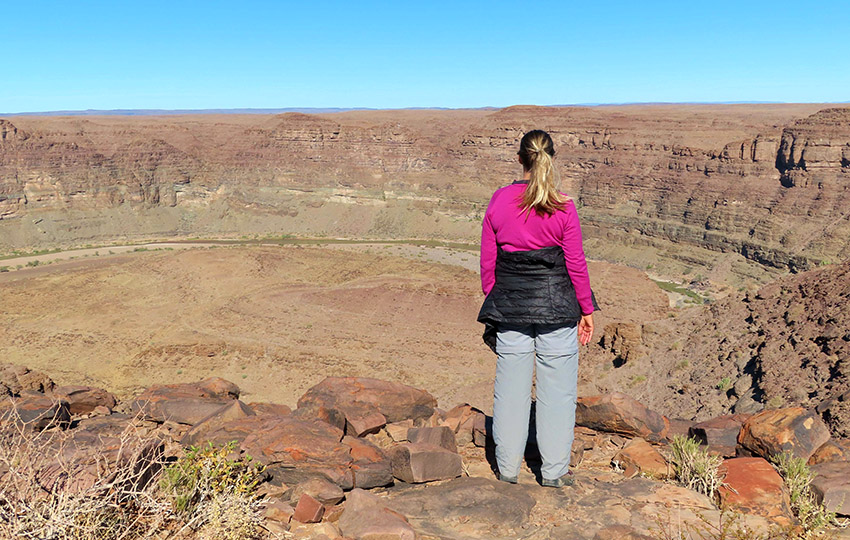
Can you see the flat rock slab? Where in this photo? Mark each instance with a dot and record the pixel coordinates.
(793, 429)
(465, 508)
(230, 412)
(752, 486)
(366, 517)
(622, 414)
(185, 403)
(438, 436)
(419, 462)
(354, 401)
(640, 457)
(35, 411)
(84, 399)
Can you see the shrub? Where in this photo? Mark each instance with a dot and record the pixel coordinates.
(814, 518)
(695, 468)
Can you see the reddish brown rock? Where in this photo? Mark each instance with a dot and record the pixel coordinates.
(270, 408)
(278, 511)
(35, 411)
(365, 517)
(417, 463)
(320, 489)
(185, 403)
(481, 430)
(830, 451)
(720, 434)
(619, 413)
(619, 532)
(15, 379)
(308, 509)
(330, 399)
(831, 486)
(640, 457)
(398, 430)
(362, 419)
(462, 420)
(752, 486)
(371, 466)
(793, 429)
(679, 427)
(437, 436)
(233, 411)
(84, 399)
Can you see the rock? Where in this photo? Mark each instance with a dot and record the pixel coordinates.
(185, 403)
(320, 489)
(625, 341)
(482, 431)
(619, 413)
(293, 449)
(96, 450)
(830, 451)
(35, 411)
(640, 457)
(308, 509)
(366, 517)
(235, 410)
(774, 431)
(398, 430)
(831, 486)
(314, 531)
(462, 420)
(371, 466)
(437, 436)
(279, 511)
(361, 396)
(466, 508)
(720, 434)
(84, 399)
(619, 532)
(15, 379)
(679, 427)
(415, 463)
(270, 408)
(752, 486)
(362, 419)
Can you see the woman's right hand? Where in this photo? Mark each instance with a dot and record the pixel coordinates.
(585, 329)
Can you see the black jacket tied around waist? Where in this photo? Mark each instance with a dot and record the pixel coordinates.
(532, 287)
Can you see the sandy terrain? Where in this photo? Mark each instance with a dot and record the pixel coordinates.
(276, 320)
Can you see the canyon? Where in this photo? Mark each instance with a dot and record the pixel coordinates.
(738, 193)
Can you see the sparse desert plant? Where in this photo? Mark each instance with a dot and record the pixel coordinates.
(814, 518)
(230, 516)
(724, 384)
(695, 468)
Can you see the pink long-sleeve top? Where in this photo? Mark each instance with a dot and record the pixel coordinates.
(506, 225)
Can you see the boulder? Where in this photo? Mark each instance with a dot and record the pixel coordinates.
(794, 429)
(619, 413)
(831, 486)
(327, 493)
(278, 511)
(84, 399)
(270, 408)
(720, 434)
(15, 379)
(308, 509)
(366, 517)
(752, 486)
(640, 457)
(831, 450)
(35, 411)
(397, 431)
(371, 466)
(355, 400)
(101, 449)
(235, 410)
(467, 507)
(187, 403)
(482, 431)
(462, 420)
(362, 418)
(438, 436)
(417, 463)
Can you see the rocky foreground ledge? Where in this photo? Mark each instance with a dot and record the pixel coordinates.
(364, 458)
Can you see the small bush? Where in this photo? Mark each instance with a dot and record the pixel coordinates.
(814, 518)
(724, 384)
(695, 467)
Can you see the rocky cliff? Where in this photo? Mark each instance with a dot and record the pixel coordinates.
(761, 183)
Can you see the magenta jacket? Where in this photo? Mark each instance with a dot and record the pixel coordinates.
(507, 226)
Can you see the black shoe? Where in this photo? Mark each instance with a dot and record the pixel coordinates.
(566, 480)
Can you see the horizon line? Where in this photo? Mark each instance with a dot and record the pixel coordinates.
(330, 110)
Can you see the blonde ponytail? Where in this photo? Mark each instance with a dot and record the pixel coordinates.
(536, 151)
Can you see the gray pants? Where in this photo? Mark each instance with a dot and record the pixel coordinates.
(556, 349)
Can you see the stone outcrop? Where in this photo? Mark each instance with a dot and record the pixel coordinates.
(185, 403)
(619, 413)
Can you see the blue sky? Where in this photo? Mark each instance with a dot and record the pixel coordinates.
(251, 54)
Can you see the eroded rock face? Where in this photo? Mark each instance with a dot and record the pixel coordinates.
(15, 379)
(353, 403)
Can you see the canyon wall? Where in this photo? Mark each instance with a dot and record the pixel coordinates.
(746, 186)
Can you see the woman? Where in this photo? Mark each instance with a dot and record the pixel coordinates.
(539, 303)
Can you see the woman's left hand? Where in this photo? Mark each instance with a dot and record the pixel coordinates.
(585, 329)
